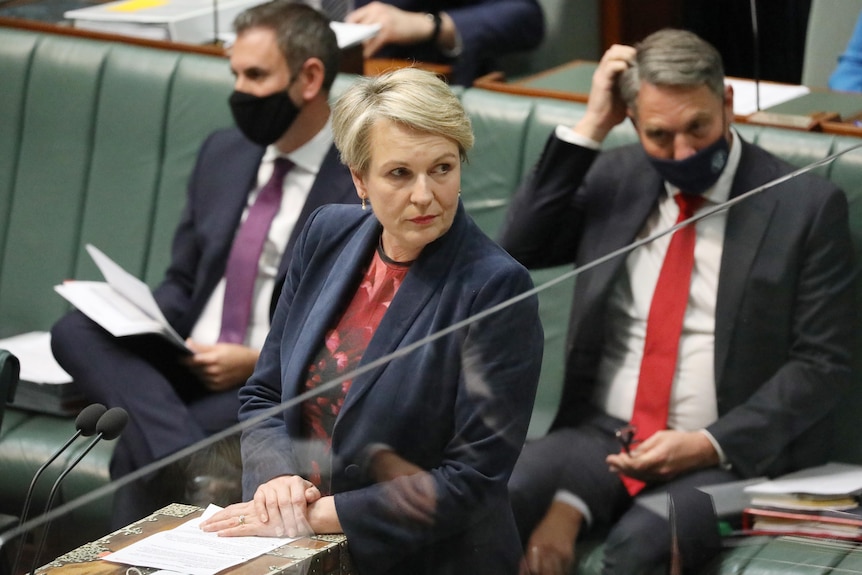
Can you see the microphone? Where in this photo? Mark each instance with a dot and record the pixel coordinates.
(215, 23)
(109, 426)
(85, 424)
(756, 42)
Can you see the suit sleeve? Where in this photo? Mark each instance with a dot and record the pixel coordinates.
(816, 368)
(499, 25)
(492, 27)
(174, 293)
(542, 223)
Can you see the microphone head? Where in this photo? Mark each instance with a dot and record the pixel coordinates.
(88, 418)
(112, 423)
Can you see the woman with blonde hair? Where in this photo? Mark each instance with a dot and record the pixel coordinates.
(409, 459)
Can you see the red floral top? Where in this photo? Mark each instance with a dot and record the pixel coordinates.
(344, 346)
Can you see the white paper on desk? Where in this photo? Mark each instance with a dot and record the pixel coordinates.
(187, 549)
(33, 350)
(831, 479)
(745, 97)
(123, 304)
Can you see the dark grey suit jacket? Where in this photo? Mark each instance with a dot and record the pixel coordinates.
(785, 303)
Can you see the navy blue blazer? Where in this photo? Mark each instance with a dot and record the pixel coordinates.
(458, 406)
(488, 29)
(225, 171)
(785, 304)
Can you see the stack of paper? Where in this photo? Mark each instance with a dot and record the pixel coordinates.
(834, 485)
(821, 501)
(187, 21)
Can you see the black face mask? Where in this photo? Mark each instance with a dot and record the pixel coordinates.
(698, 172)
(263, 119)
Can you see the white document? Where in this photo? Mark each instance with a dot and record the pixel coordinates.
(33, 350)
(186, 549)
(123, 304)
(134, 29)
(830, 480)
(352, 34)
(189, 21)
(745, 95)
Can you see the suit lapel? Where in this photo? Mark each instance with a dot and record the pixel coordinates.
(335, 293)
(747, 223)
(228, 189)
(333, 185)
(632, 205)
(232, 192)
(421, 283)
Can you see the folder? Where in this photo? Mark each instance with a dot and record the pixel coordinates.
(185, 21)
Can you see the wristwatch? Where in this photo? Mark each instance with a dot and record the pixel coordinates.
(434, 17)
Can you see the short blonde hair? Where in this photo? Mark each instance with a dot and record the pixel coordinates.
(412, 97)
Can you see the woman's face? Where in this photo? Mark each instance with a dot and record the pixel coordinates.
(412, 183)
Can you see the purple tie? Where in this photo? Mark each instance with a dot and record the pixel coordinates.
(242, 264)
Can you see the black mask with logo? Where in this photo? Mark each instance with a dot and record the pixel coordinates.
(263, 119)
(698, 172)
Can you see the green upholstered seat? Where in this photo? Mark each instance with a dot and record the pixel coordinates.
(97, 143)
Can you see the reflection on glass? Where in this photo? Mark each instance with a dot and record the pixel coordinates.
(396, 387)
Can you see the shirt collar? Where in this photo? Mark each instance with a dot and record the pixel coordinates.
(309, 156)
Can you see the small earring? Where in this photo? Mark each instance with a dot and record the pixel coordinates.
(363, 203)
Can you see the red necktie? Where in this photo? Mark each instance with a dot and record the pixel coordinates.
(242, 264)
(664, 327)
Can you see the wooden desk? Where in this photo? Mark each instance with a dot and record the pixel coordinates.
(825, 111)
(351, 57)
(352, 60)
(569, 81)
(837, 113)
(378, 66)
(316, 555)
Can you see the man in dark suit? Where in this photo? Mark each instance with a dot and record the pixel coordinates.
(761, 351)
(285, 59)
(468, 34)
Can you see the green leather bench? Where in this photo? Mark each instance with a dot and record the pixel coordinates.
(96, 144)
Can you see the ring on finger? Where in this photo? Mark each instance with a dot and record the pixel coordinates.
(241, 519)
